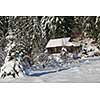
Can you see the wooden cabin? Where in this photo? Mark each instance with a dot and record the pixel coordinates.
(56, 45)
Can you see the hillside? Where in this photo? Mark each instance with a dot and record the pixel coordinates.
(28, 35)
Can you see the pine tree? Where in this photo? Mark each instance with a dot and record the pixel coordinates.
(3, 41)
(57, 26)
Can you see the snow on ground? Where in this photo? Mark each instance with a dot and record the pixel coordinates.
(87, 72)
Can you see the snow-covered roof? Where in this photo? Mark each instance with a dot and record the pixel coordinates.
(60, 42)
(57, 42)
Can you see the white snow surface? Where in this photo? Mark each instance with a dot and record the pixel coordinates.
(87, 72)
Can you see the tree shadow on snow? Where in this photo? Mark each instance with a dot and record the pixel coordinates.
(44, 73)
(41, 73)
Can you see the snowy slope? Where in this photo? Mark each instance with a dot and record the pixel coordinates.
(88, 72)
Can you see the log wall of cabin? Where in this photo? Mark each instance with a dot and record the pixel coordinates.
(54, 50)
(71, 49)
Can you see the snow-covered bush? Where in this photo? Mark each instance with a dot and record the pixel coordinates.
(12, 69)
